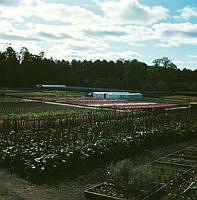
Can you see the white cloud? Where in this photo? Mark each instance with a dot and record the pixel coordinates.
(50, 12)
(67, 31)
(132, 12)
(175, 34)
(187, 13)
(192, 56)
(132, 35)
(127, 55)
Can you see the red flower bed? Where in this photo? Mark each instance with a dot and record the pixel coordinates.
(98, 102)
(140, 106)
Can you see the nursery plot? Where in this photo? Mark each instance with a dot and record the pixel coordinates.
(4, 100)
(51, 144)
(33, 110)
(127, 181)
(116, 103)
(178, 161)
(165, 182)
(191, 99)
(181, 187)
(188, 155)
(105, 103)
(191, 191)
(51, 93)
(107, 191)
(166, 173)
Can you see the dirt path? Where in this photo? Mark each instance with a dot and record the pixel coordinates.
(15, 188)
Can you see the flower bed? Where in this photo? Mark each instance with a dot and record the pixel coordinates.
(151, 105)
(99, 102)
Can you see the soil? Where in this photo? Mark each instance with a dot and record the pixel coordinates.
(13, 187)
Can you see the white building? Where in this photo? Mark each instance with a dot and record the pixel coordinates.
(115, 95)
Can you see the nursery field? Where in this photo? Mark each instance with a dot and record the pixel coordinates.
(37, 147)
(43, 93)
(104, 103)
(173, 176)
(81, 99)
(11, 109)
(190, 99)
(42, 142)
(109, 103)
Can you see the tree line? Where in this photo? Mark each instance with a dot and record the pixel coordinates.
(24, 69)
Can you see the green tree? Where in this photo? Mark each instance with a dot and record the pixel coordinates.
(164, 62)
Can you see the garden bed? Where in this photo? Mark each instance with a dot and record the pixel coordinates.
(169, 174)
(188, 155)
(106, 191)
(177, 161)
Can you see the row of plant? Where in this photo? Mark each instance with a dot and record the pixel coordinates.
(45, 93)
(157, 180)
(34, 110)
(4, 100)
(182, 98)
(161, 100)
(37, 150)
(101, 123)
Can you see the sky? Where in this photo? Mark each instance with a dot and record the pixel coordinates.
(103, 29)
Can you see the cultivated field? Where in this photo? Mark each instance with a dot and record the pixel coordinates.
(43, 142)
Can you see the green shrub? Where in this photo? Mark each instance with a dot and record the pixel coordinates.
(129, 178)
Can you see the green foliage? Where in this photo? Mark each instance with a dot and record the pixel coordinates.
(17, 109)
(164, 62)
(46, 94)
(5, 99)
(2, 94)
(37, 148)
(129, 178)
(161, 100)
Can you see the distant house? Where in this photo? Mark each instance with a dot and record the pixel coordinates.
(115, 95)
